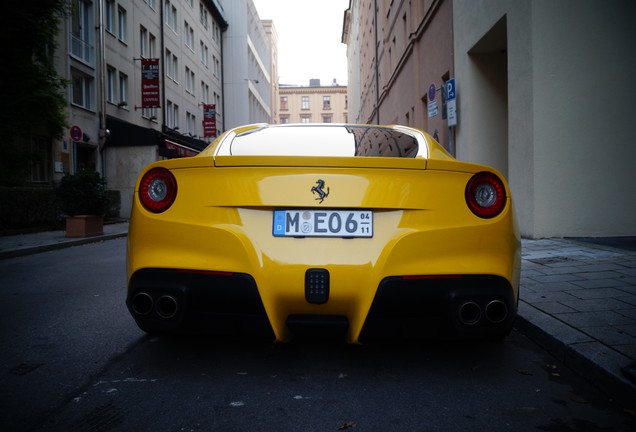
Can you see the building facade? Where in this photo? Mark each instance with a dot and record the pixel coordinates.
(248, 83)
(313, 104)
(102, 48)
(540, 95)
(396, 51)
(542, 91)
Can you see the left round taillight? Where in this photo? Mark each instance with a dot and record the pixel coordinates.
(486, 195)
(157, 190)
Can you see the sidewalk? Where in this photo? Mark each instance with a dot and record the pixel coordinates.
(27, 244)
(578, 301)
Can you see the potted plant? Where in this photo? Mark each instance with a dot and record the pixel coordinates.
(83, 200)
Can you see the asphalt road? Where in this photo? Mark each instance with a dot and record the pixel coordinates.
(72, 359)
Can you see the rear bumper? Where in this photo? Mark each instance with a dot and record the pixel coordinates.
(403, 307)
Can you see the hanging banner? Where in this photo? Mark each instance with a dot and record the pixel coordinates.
(209, 121)
(150, 83)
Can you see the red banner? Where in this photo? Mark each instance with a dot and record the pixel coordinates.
(209, 120)
(150, 83)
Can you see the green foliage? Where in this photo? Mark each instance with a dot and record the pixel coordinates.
(33, 93)
(83, 193)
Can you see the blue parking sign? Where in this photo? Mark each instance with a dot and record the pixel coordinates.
(450, 89)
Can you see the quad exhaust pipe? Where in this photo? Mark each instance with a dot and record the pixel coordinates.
(470, 313)
(496, 311)
(166, 306)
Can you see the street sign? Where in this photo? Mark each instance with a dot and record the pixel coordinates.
(432, 89)
(451, 102)
(76, 133)
(451, 93)
(432, 109)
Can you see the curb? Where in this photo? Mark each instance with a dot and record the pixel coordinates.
(596, 362)
(30, 250)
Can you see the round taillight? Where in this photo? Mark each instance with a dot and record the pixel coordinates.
(486, 195)
(157, 190)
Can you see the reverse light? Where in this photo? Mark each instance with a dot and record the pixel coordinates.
(157, 190)
(486, 195)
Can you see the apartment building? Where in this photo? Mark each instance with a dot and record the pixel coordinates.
(540, 95)
(396, 52)
(248, 80)
(313, 104)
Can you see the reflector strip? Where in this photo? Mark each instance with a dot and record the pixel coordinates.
(206, 272)
(431, 277)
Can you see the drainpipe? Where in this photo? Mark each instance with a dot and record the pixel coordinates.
(102, 135)
(377, 61)
(163, 69)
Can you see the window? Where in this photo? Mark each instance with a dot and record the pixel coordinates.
(326, 102)
(110, 83)
(110, 13)
(172, 65)
(143, 41)
(191, 124)
(304, 102)
(170, 13)
(189, 80)
(122, 21)
(204, 53)
(188, 35)
(205, 92)
(41, 163)
(169, 64)
(305, 118)
(82, 31)
(284, 120)
(123, 88)
(169, 114)
(150, 3)
(152, 46)
(81, 89)
(283, 103)
(217, 66)
(326, 118)
(203, 14)
(172, 115)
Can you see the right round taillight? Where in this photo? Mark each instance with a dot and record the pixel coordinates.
(486, 195)
(157, 190)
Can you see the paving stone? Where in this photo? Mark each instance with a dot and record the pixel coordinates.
(595, 318)
(553, 307)
(630, 299)
(596, 293)
(599, 283)
(610, 335)
(600, 274)
(550, 296)
(599, 304)
(557, 278)
(627, 350)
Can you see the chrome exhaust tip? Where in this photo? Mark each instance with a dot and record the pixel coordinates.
(167, 306)
(496, 311)
(469, 313)
(142, 303)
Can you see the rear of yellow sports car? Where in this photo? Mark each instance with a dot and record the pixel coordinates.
(399, 246)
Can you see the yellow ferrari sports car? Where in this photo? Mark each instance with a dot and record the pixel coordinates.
(368, 231)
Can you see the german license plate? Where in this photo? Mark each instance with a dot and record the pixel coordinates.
(323, 223)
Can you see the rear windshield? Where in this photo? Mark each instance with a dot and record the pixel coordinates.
(332, 140)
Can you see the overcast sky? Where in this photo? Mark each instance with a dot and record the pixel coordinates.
(309, 35)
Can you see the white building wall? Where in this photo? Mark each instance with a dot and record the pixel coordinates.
(246, 67)
(568, 71)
